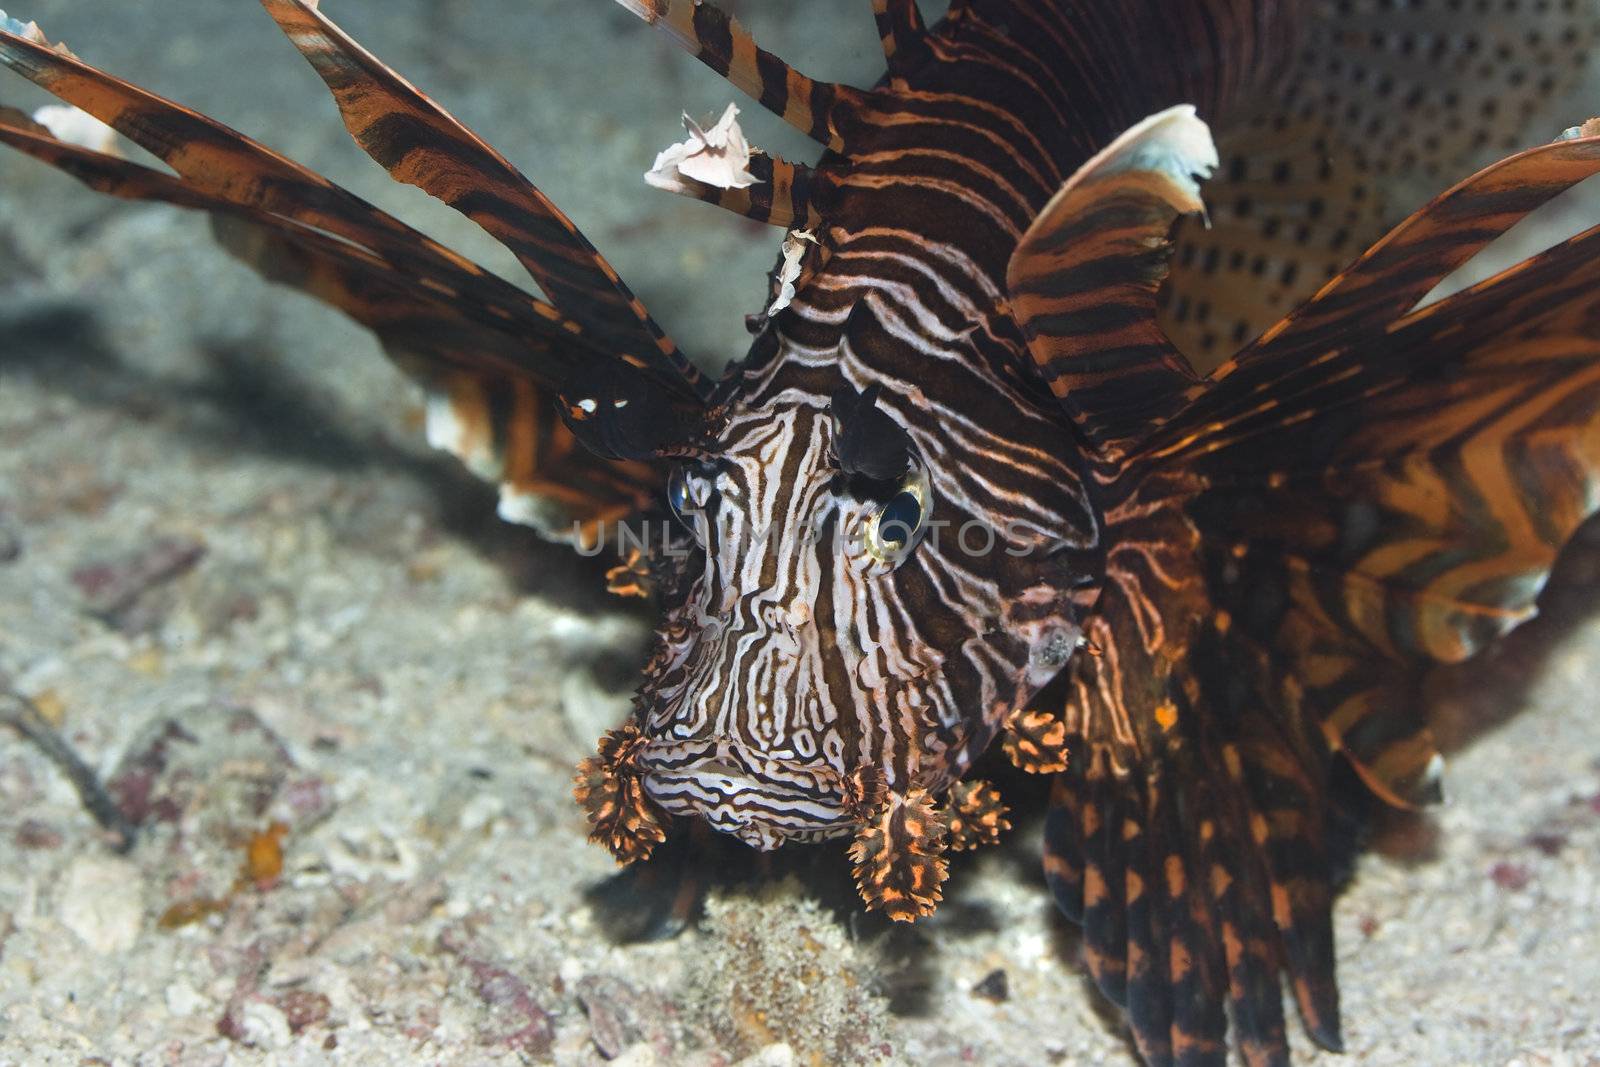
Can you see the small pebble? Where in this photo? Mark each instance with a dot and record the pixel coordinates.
(34, 834)
(183, 999)
(640, 1055)
(994, 986)
(102, 901)
(264, 1025)
(1512, 876)
(112, 588)
(303, 1008)
(776, 1055)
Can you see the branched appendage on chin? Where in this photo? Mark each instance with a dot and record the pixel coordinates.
(609, 790)
(898, 856)
(975, 815)
(1035, 741)
(900, 845)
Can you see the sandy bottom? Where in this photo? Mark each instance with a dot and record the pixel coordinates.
(246, 593)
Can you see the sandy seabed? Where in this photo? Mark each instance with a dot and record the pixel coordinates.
(325, 627)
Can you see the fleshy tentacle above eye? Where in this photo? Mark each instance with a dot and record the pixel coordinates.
(867, 442)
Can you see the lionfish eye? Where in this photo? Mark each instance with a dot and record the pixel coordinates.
(899, 518)
(685, 508)
(895, 526)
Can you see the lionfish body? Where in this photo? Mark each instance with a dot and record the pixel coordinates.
(966, 486)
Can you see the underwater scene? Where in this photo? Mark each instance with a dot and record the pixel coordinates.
(652, 532)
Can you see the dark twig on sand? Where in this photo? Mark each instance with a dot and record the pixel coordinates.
(20, 713)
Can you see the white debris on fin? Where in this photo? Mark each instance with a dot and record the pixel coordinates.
(1587, 129)
(718, 157)
(77, 127)
(27, 30)
(794, 249)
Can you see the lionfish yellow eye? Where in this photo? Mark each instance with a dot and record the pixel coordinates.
(899, 518)
(895, 526)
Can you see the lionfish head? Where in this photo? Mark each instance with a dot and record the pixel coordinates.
(871, 587)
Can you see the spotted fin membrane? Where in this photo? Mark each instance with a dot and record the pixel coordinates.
(1383, 105)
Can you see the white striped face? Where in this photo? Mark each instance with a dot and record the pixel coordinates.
(834, 625)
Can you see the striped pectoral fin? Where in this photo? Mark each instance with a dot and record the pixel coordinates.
(1125, 866)
(1411, 475)
(1184, 914)
(1083, 280)
(421, 144)
(1391, 495)
(489, 372)
(1188, 831)
(821, 110)
(216, 161)
(508, 431)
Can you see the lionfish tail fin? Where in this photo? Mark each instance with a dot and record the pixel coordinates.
(823, 111)
(1370, 488)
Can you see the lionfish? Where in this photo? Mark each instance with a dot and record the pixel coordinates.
(967, 483)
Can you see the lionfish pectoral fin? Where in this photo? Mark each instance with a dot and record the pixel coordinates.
(1186, 834)
(1381, 106)
(820, 110)
(488, 355)
(1404, 479)
(1083, 279)
(1367, 490)
(421, 144)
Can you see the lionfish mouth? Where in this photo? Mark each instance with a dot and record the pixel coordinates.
(763, 800)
